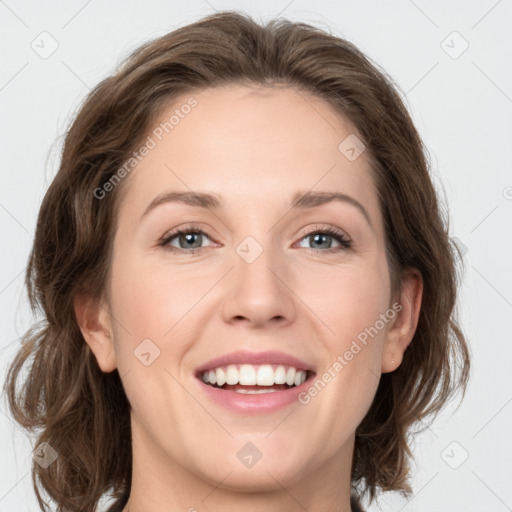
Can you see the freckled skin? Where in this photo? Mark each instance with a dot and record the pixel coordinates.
(254, 148)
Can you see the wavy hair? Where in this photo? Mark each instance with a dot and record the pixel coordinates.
(83, 413)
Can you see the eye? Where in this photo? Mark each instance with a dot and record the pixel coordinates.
(324, 237)
(188, 238)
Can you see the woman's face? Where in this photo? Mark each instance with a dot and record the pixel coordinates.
(252, 273)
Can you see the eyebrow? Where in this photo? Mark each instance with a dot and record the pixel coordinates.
(301, 200)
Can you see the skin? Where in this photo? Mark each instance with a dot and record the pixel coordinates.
(254, 147)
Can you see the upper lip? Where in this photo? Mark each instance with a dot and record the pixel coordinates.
(255, 358)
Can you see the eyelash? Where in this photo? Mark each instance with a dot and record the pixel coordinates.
(338, 235)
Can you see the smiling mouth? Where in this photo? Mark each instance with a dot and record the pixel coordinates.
(252, 380)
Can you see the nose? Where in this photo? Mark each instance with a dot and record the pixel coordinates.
(260, 292)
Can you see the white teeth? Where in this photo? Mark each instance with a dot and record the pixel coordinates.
(221, 376)
(254, 391)
(247, 375)
(232, 375)
(265, 376)
(280, 375)
(252, 375)
(290, 376)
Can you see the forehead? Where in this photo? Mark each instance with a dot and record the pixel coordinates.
(252, 145)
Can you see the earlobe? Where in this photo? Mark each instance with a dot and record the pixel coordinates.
(93, 319)
(401, 332)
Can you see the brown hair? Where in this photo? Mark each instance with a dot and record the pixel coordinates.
(82, 412)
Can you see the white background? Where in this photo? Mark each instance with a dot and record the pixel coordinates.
(462, 107)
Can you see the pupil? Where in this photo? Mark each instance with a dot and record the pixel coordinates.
(320, 235)
(188, 238)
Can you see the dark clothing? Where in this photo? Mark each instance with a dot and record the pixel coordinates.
(119, 505)
(355, 504)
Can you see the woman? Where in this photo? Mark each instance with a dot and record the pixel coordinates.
(250, 369)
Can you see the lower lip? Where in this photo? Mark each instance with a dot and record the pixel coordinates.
(262, 403)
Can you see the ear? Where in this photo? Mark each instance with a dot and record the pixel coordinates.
(93, 318)
(401, 331)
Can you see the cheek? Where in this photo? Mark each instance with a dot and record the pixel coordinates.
(161, 304)
(149, 301)
(352, 305)
(352, 302)
(347, 298)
